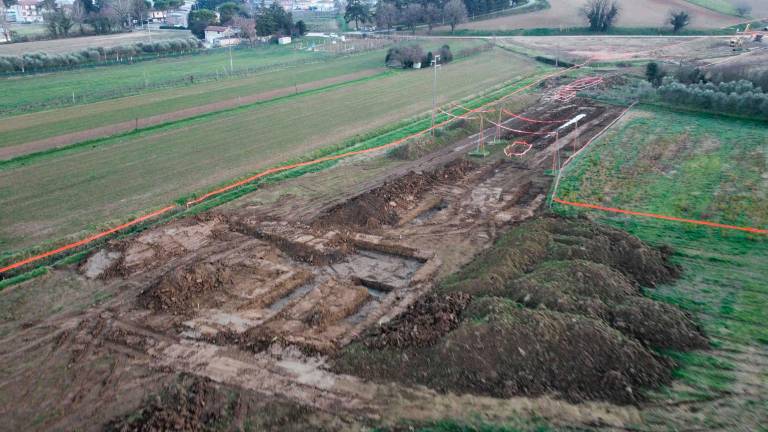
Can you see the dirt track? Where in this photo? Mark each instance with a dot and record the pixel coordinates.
(127, 126)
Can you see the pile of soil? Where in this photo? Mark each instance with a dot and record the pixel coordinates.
(531, 243)
(557, 307)
(597, 291)
(199, 404)
(503, 350)
(384, 205)
(182, 290)
(422, 324)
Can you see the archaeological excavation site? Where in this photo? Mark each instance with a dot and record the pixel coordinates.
(368, 295)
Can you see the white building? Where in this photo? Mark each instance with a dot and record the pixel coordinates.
(25, 12)
(219, 36)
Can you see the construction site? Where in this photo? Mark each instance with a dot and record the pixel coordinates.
(556, 252)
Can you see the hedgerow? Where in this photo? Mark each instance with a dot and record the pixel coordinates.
(41, 61)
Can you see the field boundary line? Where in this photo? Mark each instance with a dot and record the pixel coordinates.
(24, 159)
(662, 217)
(269, 171)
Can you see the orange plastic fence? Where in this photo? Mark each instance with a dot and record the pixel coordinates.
(264, 173)
(662, 217)
(87, 239)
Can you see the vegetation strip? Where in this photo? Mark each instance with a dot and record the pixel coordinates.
(262, 174)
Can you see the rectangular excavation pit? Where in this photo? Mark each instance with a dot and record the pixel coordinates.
(428, 207)
(318, 318)
(376, 270)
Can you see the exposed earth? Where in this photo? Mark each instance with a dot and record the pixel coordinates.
(437, 289)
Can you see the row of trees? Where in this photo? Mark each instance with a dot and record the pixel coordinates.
(41, 61)
(263, 21)
(393, 13)
(601, 15)
(736, 97)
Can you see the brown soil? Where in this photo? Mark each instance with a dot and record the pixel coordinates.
(386, 204)
(503, 350)
(558, 308)
(423, 324)
(186, 288)
(199, 404)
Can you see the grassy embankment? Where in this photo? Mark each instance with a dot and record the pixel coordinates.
(700, 167)
(76, 191)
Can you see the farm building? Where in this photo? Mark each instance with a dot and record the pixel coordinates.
(219, 36)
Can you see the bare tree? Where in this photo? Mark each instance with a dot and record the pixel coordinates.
(678, 19)
(247, 27)
(4, 27)
(431, 16)
(122, 8)
(600, 14)
(455, 13)
(386, 15)
(79, 15)
(411, 15)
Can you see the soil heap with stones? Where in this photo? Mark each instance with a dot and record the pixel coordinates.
(556, 306)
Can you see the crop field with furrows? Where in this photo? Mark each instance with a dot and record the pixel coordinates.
(68, 192)
(78, 43)
(29, 127)
(43, 91)
(697, 167)
(635, 13)
(289, 77)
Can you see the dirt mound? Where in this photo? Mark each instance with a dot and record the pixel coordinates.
(657, 324)
(529, 244)
(503, 350)
(181, 290)
(597, 291)
(385, 204)
(581, 239)
(199, 404)
(196, 407)
(422, 324)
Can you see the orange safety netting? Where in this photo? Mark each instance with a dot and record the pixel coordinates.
(662, 217)
(509, 153)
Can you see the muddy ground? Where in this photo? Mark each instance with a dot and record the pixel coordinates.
(208, 322)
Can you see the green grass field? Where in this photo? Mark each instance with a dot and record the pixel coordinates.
(29, 127)
(722, 6)
(44, 91)
(700, 167)
(72, 192)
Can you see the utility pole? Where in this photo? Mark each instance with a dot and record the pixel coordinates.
(231, 67)
(435, 65)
